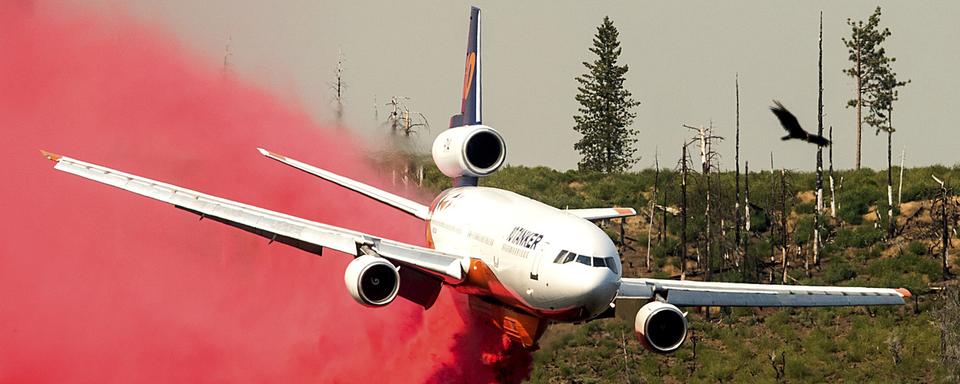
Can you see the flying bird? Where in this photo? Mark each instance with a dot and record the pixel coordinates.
(794, 131)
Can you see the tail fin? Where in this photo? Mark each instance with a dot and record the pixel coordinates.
(470, 101)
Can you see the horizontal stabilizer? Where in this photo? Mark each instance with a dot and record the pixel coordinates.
(602, 213)
(401, 203)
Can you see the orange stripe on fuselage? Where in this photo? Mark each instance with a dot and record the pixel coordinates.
(482, 281)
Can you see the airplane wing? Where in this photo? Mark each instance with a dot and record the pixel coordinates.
(699, 293)
(304, 234)
(409, 206)
(602, 213)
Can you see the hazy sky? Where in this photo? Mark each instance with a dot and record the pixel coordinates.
(682, 56)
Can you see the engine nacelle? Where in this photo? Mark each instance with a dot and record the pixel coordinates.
(661, 327)
(470, 150)
(372, 281)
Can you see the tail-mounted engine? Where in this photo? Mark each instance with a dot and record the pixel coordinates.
(661, 327)
(470, 150)
(372, 281)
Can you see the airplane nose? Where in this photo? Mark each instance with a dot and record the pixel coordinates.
(603, 289)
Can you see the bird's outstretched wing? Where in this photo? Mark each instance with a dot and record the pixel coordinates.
(794, 131)
(788, 121)
(818, 140)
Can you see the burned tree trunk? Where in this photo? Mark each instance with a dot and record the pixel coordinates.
(705, 171)
(945, 236)
(771, 219)
(833, 195)
(891, 221)
(683, 213)
(783, 221)
(662, 233)
(944, 230)
(750, 265)
(656, 175)
(736, 205)
(817, 215)
(723, 221)
(900, 188)
(653, 206)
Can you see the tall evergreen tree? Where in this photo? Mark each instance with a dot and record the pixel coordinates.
(605, 112)
(868, 60)
(876, 88)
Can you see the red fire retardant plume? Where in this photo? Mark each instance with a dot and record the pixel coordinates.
(99, 285)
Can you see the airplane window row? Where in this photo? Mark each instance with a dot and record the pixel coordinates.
(567, 256)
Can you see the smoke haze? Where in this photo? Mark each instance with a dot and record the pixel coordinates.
(100, 285)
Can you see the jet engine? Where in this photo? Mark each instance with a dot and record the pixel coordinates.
(661, 327)
(470, 150)
(372, 281)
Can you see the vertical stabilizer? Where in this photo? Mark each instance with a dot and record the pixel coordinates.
(470, 97)
(470, 101)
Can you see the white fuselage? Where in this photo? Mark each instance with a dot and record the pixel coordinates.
(521, 240)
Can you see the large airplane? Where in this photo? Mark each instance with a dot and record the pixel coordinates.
(524, 264)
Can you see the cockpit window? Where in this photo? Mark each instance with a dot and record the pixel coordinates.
(564, 257)
(559, 259)
(611, 264)
(600, 262)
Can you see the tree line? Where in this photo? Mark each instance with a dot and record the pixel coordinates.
(607, 112)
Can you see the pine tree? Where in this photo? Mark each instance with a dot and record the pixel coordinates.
(876, 88)
(868, 59)
(605, 108)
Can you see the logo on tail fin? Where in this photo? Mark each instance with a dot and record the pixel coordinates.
(470, 67)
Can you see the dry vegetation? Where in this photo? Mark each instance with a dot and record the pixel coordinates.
(913, 343)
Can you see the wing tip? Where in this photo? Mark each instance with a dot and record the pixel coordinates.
(626, 211)
(271, 154)
(904, 293)
(51, 156)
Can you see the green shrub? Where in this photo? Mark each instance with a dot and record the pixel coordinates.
(668, 247)
(759, 222)
(798, 368)
(804, 230)
(838, 270)
(917, 248)
(860, 191)
(806, 208)
(858, 237)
